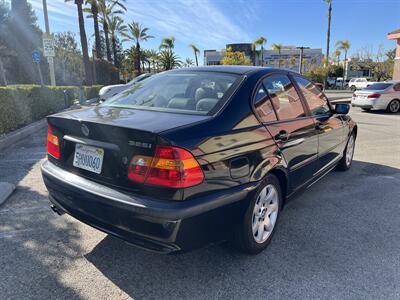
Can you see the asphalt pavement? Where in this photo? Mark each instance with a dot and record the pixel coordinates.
(338, 240)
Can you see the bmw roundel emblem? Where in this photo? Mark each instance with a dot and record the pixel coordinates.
(85, 130)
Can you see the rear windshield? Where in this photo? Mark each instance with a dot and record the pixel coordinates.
(189, 92)
(378, 86)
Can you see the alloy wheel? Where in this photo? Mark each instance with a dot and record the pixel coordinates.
(265, 213)
(394, 106)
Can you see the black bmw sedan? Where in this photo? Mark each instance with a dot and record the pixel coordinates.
(191, 156)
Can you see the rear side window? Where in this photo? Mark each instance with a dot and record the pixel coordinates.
(378, 86)
(263, 106)
(182, 92)
(284, 97)
(315, 99)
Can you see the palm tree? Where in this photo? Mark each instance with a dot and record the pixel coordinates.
(137, 33)
(328, 33)
(169, 60)
(279, 48)
(188, 63)
(116, 27)
(94, 11)
(154, 58)
(84, 45)
(106, 9)
(337, 54)
(345, 46)
(261, 41)
(168, 43)
(195, 51)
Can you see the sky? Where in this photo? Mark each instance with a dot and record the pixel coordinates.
(211, 24)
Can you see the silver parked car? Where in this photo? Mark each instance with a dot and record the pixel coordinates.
(380, 95)
(110, 90)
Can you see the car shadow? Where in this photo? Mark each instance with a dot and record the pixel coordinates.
(332, 240)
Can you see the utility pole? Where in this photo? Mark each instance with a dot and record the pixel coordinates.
(301, 58)
(50, 59)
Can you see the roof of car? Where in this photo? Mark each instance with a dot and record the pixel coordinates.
(230, 69)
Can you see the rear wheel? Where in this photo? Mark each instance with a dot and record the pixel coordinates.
(394, 106)
(353, 88)
(260, 221)
(345, 163)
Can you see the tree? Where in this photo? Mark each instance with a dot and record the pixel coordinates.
(84, 45)
(188, 63)
(94, 10)
(279, 48)
(168, 43)
(337, 55)
(68, 58)
(328, 33)
(234, 58)
(345, 46)
(195, 51)
(137, 33)
(261, 41)
(169, 60)
(116, 27)
(106, 9)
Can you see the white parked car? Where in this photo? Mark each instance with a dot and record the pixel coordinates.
(110, 90)
(380, 95)
(359, 83)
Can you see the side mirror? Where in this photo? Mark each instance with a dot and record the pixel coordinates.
(342, 108)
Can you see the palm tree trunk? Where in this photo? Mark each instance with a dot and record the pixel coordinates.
(114, 47)
(195, 57)
(105, 28)
(138, 58)
(279, 59)
(149, 66)
(344, 68)
(262, 56)
(95, 14)
(3, 74)
(88, 73)
(328, 33)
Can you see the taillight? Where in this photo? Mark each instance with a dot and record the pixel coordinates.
(374, 95)
(53, 146)
(171, 167)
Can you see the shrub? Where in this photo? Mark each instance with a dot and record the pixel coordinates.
(24, 104)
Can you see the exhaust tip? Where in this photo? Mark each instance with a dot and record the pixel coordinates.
(56, 210)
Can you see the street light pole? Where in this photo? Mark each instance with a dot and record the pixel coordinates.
(50, 59)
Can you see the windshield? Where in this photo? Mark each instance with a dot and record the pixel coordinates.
(191, 92)
(378, 86)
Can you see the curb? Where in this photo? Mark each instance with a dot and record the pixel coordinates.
(6, 190)
(19, 134)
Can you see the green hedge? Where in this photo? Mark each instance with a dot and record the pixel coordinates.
(24, 104)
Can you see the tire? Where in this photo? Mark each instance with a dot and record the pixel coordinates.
(366, 109)
(250, 238)
(353, 88)
(348, 153)
(394, 106)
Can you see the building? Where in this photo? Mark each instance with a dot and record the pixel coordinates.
(287, 58)
(395, 35)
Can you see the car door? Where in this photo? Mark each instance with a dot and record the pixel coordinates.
(280, 108)
(330, 126)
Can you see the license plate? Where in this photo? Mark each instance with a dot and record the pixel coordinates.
(88, 158)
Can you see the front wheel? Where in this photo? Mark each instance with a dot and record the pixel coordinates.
(394, 106)
(345, 163)
(260, 221)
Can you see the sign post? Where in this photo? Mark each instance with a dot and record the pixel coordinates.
(48, 51)
(36, 60)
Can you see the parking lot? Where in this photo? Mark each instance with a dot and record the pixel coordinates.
(339, 239)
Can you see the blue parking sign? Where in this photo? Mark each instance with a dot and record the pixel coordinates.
(36, 56)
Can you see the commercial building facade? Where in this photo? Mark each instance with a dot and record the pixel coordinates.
(287, 58)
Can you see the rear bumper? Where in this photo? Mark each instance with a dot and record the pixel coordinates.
(162, 226)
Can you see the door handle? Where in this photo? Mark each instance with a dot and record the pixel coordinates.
(282, 136)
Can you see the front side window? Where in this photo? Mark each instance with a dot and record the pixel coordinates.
(315, 99)
(263, 106)
(284, 97)
(182, 92)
